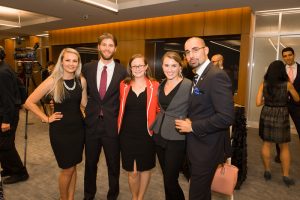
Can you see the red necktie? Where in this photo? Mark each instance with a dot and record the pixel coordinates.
(103, 82)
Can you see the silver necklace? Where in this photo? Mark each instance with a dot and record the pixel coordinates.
(70, 88)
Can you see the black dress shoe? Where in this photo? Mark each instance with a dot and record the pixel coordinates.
(288, 181)
(277, 159)
(5, 173)
(15, 178)
(267, 175)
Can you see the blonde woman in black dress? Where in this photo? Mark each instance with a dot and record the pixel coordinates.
(68, 89)
(274, 124)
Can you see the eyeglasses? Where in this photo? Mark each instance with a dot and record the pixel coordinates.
(137, 66)
(194, 50)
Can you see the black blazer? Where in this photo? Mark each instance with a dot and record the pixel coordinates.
(211, 111)
(110, 102)
(297, 86)
(8, 87)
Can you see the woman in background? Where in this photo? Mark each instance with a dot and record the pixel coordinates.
(138, 106)
(274, 124)
(68, 90)
(173, 96)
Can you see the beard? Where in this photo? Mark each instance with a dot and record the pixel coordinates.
(106, 57)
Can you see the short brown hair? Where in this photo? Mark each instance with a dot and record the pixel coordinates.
(107, 36)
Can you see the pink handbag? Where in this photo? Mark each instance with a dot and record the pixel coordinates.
(225, 179)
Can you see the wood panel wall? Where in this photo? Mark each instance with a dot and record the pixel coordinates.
(133, 34)
(9, 50)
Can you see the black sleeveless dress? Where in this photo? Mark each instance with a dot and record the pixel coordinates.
(274, 124)
(135, 141)
(67, 134)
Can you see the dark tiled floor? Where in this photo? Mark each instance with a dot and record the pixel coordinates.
(43, 171)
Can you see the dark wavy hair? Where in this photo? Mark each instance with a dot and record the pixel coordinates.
(275, 75)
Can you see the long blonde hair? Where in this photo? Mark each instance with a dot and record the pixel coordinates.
(58, 91)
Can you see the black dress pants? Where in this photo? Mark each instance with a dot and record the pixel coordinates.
(9, 157)
(93, 145)
(295, 115)
(171, 158)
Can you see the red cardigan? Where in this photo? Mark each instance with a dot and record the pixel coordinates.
(152, 102)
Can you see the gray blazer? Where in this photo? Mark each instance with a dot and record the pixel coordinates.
(165, 119)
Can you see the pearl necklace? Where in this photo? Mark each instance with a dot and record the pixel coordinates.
(70, 88)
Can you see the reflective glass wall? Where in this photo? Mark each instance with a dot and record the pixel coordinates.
(273, 31)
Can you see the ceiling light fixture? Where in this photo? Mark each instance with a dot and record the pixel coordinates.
(222, 45)
(43, 35)
(10, 23)
(103, 4)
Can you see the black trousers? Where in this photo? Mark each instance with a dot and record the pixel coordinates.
(111, 147)
(171, 158)
(295, 115)
(9, 157)
(200, 182)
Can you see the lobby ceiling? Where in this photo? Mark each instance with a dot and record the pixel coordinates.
(39, 16)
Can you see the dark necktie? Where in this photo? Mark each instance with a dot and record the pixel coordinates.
(195, 79)
(103, 82)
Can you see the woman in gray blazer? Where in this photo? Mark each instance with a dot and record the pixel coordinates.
(173, 96)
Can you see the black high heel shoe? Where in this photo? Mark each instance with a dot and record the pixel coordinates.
(267, 175)
(288, 181)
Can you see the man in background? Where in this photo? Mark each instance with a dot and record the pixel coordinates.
(293, 71)
(218, 60)
(13, 168)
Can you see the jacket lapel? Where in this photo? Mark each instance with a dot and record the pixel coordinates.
(93, 77)
(203, 75)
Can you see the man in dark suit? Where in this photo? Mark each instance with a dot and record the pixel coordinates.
(13, 168)
(293, 71)
(103, 80)
(210, 115)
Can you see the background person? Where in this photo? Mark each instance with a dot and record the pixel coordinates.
(173, 96)
(13, 168)
(218, 60)
(210, 113)
(138, 107)
(68, 89)
(274, 124)
(293, 71)
(48, 70)
(103, 80)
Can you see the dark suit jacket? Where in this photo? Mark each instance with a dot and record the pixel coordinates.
(8, 93)
(297, 86)
(110, 102)
(211, 111)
